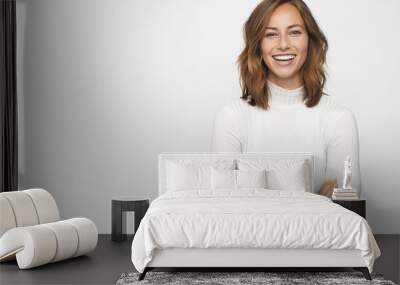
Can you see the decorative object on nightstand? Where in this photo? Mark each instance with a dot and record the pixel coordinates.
(358, 206)
(341, 194)
(346, 192)
(120, 205)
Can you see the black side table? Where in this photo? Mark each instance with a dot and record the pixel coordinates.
(121, 205)
(358, 206)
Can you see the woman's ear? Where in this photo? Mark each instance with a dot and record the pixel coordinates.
(327, 188)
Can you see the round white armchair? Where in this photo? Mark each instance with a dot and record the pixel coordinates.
(32, 233)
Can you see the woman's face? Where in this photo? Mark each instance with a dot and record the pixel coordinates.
(284, 46)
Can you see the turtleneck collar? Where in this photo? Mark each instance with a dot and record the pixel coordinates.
(281, 97)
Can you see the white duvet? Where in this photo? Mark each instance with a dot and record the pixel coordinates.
(250, 218)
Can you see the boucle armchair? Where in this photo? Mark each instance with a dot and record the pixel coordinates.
(32, 233)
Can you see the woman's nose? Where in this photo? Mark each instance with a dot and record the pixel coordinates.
(283, 42)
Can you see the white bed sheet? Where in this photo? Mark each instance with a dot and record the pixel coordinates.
(250, 218)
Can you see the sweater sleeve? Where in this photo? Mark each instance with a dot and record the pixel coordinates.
(344, 142)
(226, 132)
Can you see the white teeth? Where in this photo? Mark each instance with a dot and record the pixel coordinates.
(284, 57)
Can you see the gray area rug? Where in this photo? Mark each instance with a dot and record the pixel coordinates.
(229, 278)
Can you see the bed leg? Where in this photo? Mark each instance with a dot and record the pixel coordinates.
(143, 274)
(364, 271)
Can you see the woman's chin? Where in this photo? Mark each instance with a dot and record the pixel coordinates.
(284, 75)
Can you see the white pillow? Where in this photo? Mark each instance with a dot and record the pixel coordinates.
(223, 179)
(287, 179)
(282, 174)
(237, 179)
(186, 177)
(251, 178)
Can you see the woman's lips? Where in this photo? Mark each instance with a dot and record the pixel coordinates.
(284, 60)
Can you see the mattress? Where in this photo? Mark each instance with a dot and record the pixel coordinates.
(250, 219)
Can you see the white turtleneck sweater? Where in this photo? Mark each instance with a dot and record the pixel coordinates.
(328, 130)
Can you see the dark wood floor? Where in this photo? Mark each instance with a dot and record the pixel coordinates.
(102, 266)
(110, 260)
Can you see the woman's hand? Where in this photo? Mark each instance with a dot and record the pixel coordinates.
(327, 188)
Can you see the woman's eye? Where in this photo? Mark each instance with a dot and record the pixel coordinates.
(269, 35)
(295, 33)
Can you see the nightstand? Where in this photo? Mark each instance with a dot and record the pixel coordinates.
(358, 206)
(120, 205)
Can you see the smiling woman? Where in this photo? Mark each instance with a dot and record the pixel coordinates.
(284, 45)
(283, 107)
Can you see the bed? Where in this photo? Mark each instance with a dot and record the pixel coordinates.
(244, 211)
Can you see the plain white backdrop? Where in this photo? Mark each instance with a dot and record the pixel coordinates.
(105, 86)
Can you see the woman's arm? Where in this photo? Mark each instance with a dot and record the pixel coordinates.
(343, 142)
(226, 132)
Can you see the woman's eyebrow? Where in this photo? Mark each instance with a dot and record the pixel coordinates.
(291, 26)
(295, 25)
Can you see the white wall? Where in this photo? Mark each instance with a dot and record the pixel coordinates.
(104, 86)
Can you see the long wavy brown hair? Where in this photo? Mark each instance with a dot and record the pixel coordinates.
(253, 70)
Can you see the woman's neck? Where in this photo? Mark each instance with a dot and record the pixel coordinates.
(282, 97)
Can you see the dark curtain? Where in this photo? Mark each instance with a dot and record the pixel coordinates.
(8, 92)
